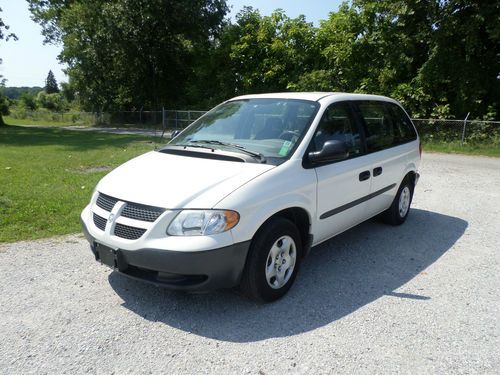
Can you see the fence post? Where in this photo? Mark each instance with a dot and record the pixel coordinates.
(162, 122)
(463, 131)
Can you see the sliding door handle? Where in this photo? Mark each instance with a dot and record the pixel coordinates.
(364, 175)
(377, 171)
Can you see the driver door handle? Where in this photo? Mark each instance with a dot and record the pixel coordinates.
(364, 175)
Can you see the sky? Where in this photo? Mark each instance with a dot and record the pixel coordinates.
(27, 61)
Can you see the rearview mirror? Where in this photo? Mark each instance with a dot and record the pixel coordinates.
(333, 150)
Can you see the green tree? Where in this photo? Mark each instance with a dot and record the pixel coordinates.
(336, 63)
(377, 46)
(129, 53)
(269, 53)
(68, 91)
(437, 57)
(4, 34)
(462, 69)
(4, 107)
(51, 84)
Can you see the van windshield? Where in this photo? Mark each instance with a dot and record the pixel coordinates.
(271, 128)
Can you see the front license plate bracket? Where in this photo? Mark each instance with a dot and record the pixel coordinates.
(107, 255)
(111, 257)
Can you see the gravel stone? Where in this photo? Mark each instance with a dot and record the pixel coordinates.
(419, 298)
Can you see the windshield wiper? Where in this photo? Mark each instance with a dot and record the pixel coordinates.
(258, 155)
(189, 145)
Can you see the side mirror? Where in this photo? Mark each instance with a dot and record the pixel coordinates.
(174, 134)
(333, 150)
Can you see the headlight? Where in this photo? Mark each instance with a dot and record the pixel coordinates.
(202, 222)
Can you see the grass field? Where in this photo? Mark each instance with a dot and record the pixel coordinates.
(48, 119)
(27, 121)
(47, 176)
(486, 149)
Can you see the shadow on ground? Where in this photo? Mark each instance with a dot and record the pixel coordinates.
(337, 278)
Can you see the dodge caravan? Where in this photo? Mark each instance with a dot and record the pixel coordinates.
(240, 196)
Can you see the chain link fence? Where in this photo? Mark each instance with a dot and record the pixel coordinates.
(463, 131)
(165, 121)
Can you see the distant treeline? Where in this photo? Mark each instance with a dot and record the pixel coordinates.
(440, 58)
(15, 93)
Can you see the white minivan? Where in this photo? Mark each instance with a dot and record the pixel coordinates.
(240, 196)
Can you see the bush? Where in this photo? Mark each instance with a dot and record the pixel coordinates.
(52, 102)
(27, 101)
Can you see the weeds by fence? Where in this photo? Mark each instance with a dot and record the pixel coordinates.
(463, 131)
(168, 119)
(46, 116)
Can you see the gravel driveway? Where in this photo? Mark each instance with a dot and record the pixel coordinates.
(420, 298)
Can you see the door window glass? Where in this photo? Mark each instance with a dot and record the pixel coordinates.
(337, 124)
(379, 131)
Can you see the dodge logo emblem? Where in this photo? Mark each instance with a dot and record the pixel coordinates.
(111, 217)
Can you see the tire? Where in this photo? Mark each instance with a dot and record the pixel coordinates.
(400, 207)
(273, 261)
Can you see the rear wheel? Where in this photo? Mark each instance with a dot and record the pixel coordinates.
(400, 207)
(273, 261)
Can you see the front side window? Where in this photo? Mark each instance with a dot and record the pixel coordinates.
(271, 127)
(337, 124)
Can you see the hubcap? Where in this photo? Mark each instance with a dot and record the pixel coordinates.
(281, 262)
(404, 201)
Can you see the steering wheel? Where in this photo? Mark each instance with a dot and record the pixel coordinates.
(289, 135)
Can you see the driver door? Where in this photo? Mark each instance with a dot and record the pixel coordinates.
(341, 185)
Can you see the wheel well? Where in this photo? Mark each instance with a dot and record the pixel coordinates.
(300, 218)
(412, 177)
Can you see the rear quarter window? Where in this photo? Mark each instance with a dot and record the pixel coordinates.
(403, 128)
(385, 125)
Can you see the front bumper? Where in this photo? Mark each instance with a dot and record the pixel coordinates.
(177, 270)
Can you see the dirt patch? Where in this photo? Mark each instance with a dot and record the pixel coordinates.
(89, 170)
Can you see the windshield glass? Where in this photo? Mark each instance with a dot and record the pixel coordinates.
(269, 127)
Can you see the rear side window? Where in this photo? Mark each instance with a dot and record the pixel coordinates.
(386, 125)
(403, 128)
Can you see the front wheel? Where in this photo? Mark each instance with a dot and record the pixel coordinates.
(400, 207)
(273, 261)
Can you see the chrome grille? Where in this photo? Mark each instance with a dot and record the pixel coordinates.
(128, 232)
(106, 202)
(100, 222)
(141, 212)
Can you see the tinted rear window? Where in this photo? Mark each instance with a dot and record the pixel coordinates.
(386, 125)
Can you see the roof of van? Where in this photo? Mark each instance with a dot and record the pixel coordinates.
(314, 96)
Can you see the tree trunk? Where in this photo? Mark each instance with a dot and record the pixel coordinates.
(1, 120)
